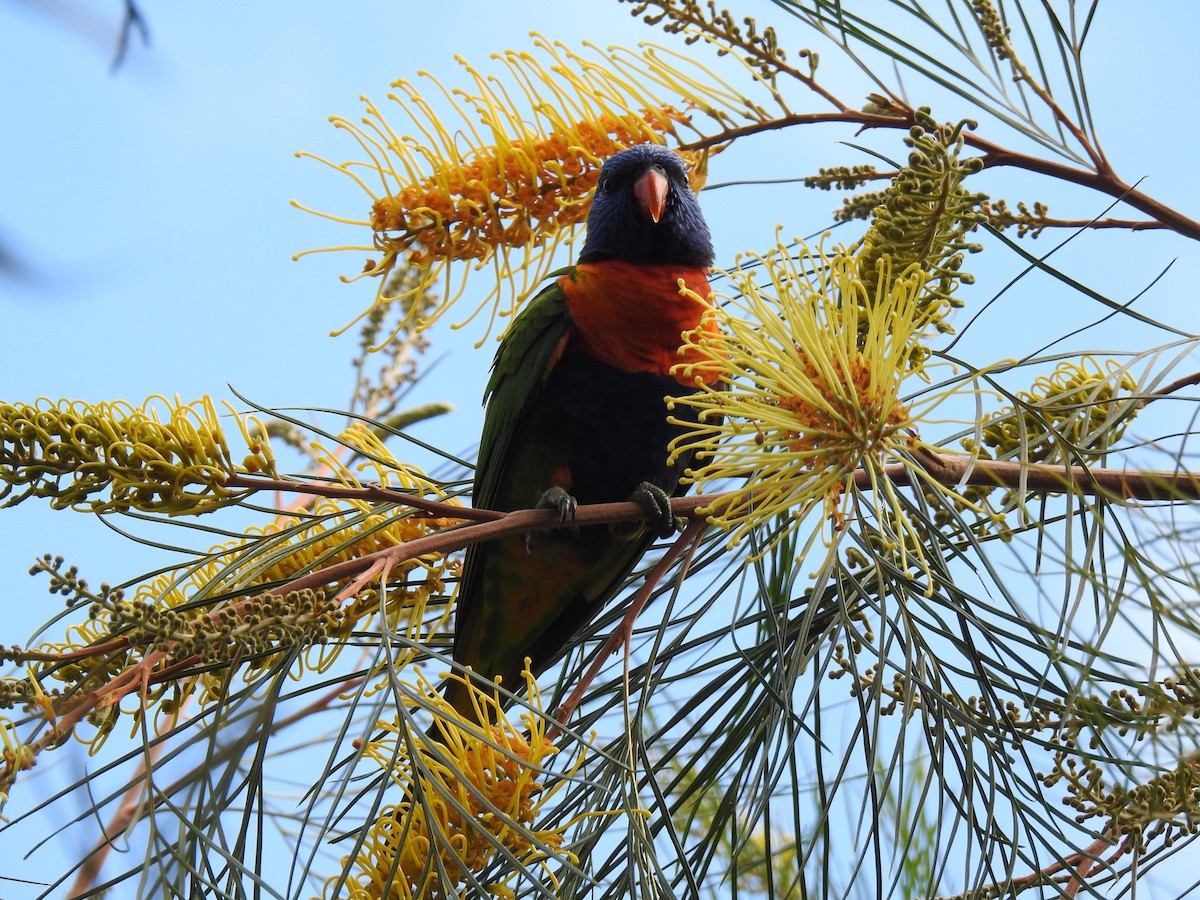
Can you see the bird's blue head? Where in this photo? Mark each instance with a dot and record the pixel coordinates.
(644, 211)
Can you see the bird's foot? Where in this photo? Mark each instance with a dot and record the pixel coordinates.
(557, 498)
(554, 498)
(658, 508)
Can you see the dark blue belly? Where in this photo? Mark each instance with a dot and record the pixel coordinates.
(609, 426)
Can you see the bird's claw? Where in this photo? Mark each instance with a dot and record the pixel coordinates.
(658, 508)
(558, 498)
(555, 498)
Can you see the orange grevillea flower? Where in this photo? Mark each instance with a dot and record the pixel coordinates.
(500, 175)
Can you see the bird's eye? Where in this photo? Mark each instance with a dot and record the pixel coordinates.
(602, 186)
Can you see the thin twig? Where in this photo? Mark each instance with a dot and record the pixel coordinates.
(1094, 224)
(122, 818)
(370, 493)
(131, 21)
(623, 632)
(1106, 182)
(1185, 381)
(1095, 154)
(1079, 863)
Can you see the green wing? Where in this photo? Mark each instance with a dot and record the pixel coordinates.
(519, 370)
(518, 375)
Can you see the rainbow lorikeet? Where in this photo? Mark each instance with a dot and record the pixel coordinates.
(576, 413)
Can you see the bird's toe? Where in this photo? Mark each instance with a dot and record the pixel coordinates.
(658, 508)
(557, 498)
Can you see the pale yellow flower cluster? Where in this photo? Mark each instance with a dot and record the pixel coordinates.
(331, 531)
(1077, 412)
(164, 456)
(811, 362)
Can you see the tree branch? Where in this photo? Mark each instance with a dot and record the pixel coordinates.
(951, 470)
(624, 632)
(369, 493)
(947, 469)
(1114, 484)
(994, 155)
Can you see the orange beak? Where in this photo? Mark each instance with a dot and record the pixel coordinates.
(651, 193)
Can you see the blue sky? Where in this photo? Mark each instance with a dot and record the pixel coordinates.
(150, 206)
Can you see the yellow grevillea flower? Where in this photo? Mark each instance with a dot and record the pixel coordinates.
(176, 615)
(811, 363)
(461, 798)
(16, 757)
(1078, 412)
(164, 456)
(502, 173)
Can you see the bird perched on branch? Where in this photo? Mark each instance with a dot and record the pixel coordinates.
(576, 414)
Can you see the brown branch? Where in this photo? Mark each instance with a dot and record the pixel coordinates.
(369, 493)
(845, 117)
(1113, 484)
(993, 155)
(1095, 154)
(122, 818)
(145, 671)
(947, 469)
(1109, 183)
(1125, 224)
(1161, 393)
(63, 723)
(318, 705)
(1079, 864)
